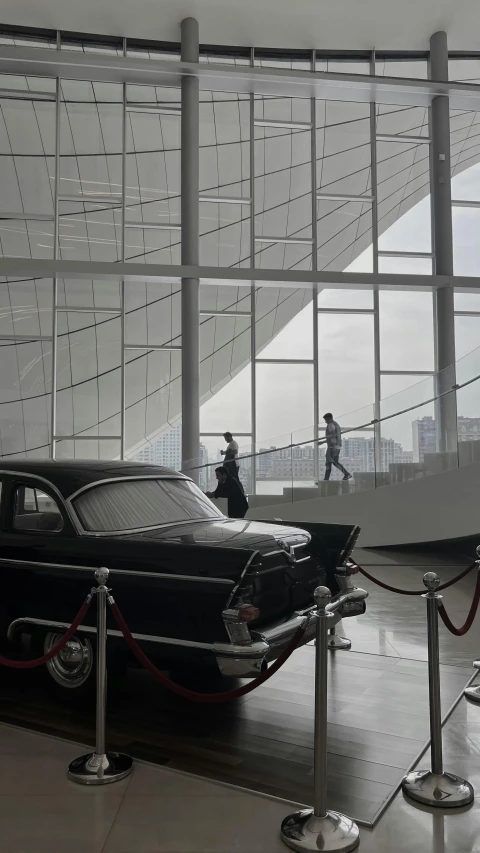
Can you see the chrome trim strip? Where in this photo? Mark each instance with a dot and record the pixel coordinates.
(173, 476)
(240, 580)
(119, 533)
(258, 649)
(65, 504)
(163, 575)
(112, 632)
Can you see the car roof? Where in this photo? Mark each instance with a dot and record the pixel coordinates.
(70, 475)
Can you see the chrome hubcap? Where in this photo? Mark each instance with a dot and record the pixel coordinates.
(73, 664)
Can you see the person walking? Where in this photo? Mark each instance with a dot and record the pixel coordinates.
(230, 488)
(231, 455)
(333, 434)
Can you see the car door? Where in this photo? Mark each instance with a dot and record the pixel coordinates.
(36, 533)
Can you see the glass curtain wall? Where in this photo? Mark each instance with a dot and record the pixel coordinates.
(91, 172)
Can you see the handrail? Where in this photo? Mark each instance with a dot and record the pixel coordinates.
(315, 441)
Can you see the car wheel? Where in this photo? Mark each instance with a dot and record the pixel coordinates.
(71, 674)
(72, 671)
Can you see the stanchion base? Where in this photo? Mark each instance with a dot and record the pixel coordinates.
(446, 791)
(93, 769)
(333, 833)
(337, 643)
(473, 693)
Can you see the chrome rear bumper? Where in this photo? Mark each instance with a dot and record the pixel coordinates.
(248, 661)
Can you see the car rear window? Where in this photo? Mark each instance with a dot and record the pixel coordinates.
(137, 504)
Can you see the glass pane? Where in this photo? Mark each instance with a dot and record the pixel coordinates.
(468, 423)
(225, 144)
(26, 239)
(153, 392)
(91, 139)
(225, 298)
(25, 397)
(344, 231)
(336, 298)
(464, 151)
(26, 307)
(27, 169)
(165, 450)
(271, 59)
(88, 374)
(467, 337)
(466, 245)
(283, 184)
(275, 307)
(464, 70)
(417, 68)
(34, 510)
(224, 350)
(152, 313)
(343, 66)
(403, 183)
(405, 266)
(224, 234)
(89, 233)
(78, 449)
(242, 58)
(406, 317)
(466, 183)
(92, 44)
(469, 301)
(152, 246)
(343, 147)
(153, 165)
(88, 293)
(404, 121)
(393, 386)
(295, 340)
(346, 363)
(231, 404)
(275, 385)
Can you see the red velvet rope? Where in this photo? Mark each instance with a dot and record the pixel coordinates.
(416, 591)
(459, 632)
(192, 694)
(30, 664)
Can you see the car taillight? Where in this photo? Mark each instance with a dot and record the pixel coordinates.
(248, 613)
(236, 623)
(351, 568)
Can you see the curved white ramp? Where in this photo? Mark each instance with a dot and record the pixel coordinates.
(431, 509)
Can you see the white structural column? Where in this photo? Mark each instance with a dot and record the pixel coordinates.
(190, 250)
(443, 297)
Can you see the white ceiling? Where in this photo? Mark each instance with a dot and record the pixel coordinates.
(333, 24)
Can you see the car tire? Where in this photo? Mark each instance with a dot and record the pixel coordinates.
(70, 676)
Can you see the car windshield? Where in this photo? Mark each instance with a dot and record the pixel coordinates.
(136, 504)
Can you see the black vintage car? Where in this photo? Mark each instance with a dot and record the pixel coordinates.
(198, 589)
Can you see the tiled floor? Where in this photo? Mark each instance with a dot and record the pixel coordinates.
(159, 809)
(165, 811)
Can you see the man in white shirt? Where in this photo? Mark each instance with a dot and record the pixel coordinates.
(333, 434)
(231, 455)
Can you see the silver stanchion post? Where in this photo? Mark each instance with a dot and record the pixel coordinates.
(319, 829)
(100, 767)
(473, 693)
(435, 787)
(337, 643)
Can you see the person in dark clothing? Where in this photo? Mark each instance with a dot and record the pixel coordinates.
(231, 455)
(232, 489)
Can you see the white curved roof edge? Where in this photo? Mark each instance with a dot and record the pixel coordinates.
(345, 25)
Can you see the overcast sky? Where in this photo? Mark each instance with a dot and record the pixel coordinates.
(284, 392)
